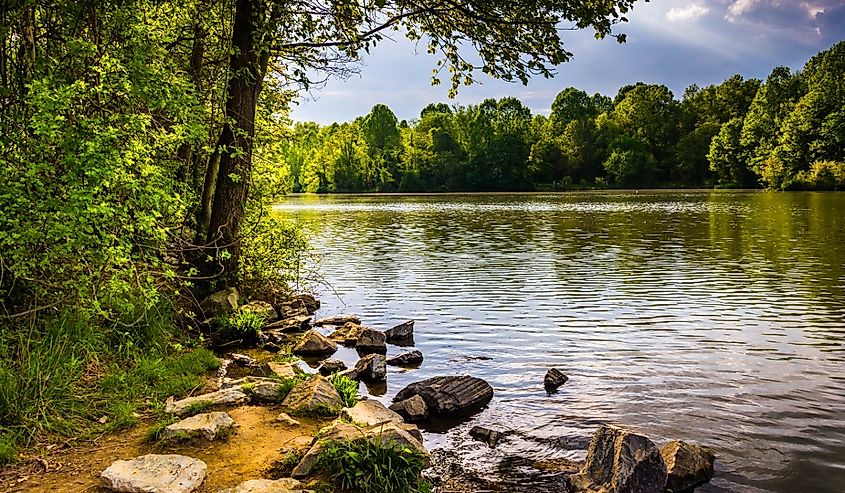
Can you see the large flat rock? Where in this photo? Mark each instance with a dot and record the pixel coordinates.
(369, 413)
(230, 396)
(314, 394)
(155, 473)
(207, 425)
(449, 394)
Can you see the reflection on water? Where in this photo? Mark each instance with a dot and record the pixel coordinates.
(717, 317)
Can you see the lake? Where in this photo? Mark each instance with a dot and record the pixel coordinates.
(714, 317)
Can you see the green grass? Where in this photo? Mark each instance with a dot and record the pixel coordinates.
(284, 467)
(346, 387)
(242, 325)
(153, 435)
(195, 408)
(287, 384)
(8, 447)
(364, 466)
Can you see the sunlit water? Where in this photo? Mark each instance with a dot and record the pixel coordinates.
(707, 316)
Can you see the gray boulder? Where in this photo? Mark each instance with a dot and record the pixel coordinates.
(554, 378)
(371, 341)
(207, 425)
(155, 473)
(369, 413)
(411, 358)
(402, 331)
(230, 396)
(621, 461)
(486, 435)
(687, 464)
(311, 302)
(449, 394)
(412, 409)
(221, 303)
(314, 343)
(371, 368)
(315, 394)
(299, 323)
(330, 366)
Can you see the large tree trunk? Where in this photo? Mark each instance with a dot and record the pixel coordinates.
(247, 66)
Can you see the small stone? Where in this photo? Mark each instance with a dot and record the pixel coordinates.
(486, 435)
(688, 465)
(282, 370)
(372, 368)
(243, 360)
(314, 343)
(299, 323)
(338, 320)
(221, 303)
(284, 485)
(271, 347)
(412, 358)
(370, 341)
(208, 426)
(314, 394)
(404, 330)
(286, 420)
(155, 473)
(103, 420)
(369, 413)
(621, 461)
(554, 378)
(332, 366)
(262, 308)
(311, 302)
(412, 409)
(221, 397)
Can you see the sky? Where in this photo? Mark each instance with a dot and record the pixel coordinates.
(671, 42)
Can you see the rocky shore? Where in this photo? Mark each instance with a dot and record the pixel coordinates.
(265, 371)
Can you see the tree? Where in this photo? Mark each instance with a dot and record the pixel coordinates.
(728, 157)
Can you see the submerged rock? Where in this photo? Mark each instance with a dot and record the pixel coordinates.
(688, 465)
(370, 341)
(155, 473)
(313, 395)
(413, 409)
(229, 396)
(284, 485)
(554, 379)
(262, 308)
(338, 320)
(314, 343)
(331, 366)
(207, 425)
(402, 331)
(486, 435)
(371, 368)
(621, 461)
(221, 303)
(369, 413)
(412, 358)
(449, 394)
(347, 334)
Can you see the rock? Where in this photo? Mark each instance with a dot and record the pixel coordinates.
(404, 330)
(271, 347)
(347, 334)
(293, 308)
(208, 426)
(687, 464)
(299, 323)
(243, 360)
(369, 413)
(239, 383)
(314, 343)
(554, 378)
(284, 485)
(621, 461)
(371, 341)
(349, 373)
(286, 420)
(228, 396)
(412, 409)
(264, 391)
(221, 303)
(486, 435)
(385, 433)
(371, 368)
(332, 366)
(338, 320)
(312, 303)
(282, 370)
(262, 308)
(449, 394)
(276, 337)
(315, 394)
(155, 474)
(412, 358)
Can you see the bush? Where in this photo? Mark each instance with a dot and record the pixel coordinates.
(364, 466)
(272, 259)
(242, 325)
(346, 387)
(822, 175)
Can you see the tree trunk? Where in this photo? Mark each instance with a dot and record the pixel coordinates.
(247, 66)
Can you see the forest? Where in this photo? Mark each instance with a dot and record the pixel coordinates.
(784, 133)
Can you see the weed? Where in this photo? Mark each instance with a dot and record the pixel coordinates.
(153, 435)
(284, 467)
(287, 384)
(242, 325)
(198, 407)
(346, 387)
(366, 466)
(285, 356)
(8, 446)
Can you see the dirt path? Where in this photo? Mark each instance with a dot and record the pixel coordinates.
(247, 454)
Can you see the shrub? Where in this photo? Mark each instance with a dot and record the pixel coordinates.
(346, 387)
(822, 175)
(365, 466)
(242, 325)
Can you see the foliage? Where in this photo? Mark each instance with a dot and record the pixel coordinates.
(346, 387)
(242, 324)
(287, 384)
(367, 466)
(154, 433)
(822, 175)
(8, 447)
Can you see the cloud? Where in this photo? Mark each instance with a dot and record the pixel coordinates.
(688, 13)
(808, 20)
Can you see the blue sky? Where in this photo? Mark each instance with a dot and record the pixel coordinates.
(672, 42)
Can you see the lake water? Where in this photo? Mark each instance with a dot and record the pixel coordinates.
(715, 317)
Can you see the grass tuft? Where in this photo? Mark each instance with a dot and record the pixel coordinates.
(364, 466)
(242, 325)
(287, 384)
(346, 387)
(8, 447)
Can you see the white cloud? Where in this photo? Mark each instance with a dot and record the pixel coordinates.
(688, 13)
(740, 7)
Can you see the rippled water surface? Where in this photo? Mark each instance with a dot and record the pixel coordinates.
(711, 316)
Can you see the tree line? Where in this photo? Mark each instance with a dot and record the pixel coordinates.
(784, 133)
